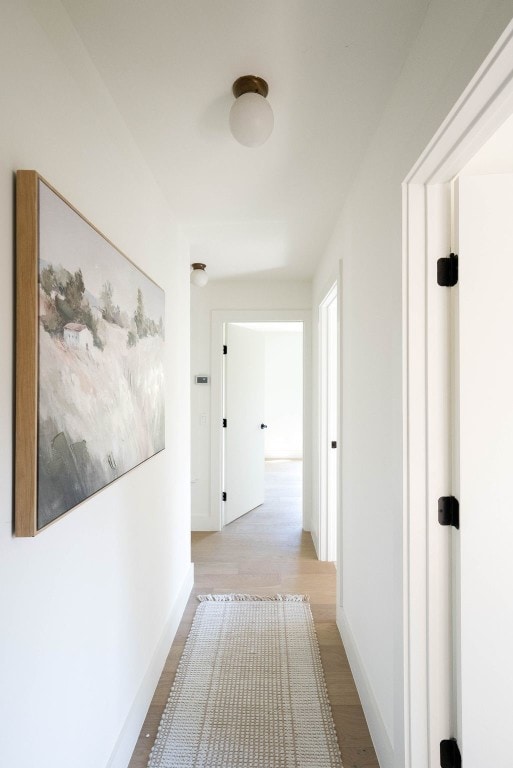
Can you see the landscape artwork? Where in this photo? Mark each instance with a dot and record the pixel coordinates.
(100, 361)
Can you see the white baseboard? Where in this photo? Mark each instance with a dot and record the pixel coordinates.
(378, 731)
(129, 734)
(315, 540)
(203, 523)
(286, 456)
(307, 516)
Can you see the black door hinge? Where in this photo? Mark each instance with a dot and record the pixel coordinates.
(449, 511)
(225, 349)
(447, 271)
(333, 443)
(450, 755)
(224, 495)
(225, 423)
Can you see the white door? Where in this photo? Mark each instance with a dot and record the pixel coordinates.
(328, 417)
(486, 470)
(244, 412)
(332, 417)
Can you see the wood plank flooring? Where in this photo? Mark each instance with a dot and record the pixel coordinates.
(266, 552)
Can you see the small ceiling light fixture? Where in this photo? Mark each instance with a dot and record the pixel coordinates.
(199, 277)
(251, 116)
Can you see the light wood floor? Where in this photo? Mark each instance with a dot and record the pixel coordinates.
(266, 552)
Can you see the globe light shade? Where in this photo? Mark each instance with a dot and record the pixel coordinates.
(199, 277)
(251, 119)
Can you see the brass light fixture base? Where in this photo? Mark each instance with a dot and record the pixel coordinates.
(250, 84)
(197, 265)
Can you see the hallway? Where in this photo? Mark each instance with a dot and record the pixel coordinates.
(265, 552)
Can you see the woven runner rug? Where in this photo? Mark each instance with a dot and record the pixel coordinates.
(249, 691)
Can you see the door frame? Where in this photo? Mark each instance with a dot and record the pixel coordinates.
(483, 107)
(219, 319)
(327, 543)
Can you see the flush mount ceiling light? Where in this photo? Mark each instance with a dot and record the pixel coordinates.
(199, 277)
(251, 116)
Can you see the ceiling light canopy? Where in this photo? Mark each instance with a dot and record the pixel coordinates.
(199, 277)
(251, 116)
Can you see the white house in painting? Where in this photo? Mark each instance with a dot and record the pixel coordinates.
(78, 335)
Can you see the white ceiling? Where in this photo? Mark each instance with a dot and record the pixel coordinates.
(330, 64)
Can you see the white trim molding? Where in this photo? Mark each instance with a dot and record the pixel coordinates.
(483, 107)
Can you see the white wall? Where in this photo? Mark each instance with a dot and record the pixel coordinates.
(247, 295)
(89, 606)
(454, 39)
(284, 395)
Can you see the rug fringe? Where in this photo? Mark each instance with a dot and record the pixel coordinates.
(241, 598)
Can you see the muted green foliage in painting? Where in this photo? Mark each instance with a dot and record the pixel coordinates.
(144, 326)
(139, 319)
(54, 279)
(66, 302)
(111, 312)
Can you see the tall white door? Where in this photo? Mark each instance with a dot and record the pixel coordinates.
(332, 424)
(328, 423)
(486, 470)
(244, 411)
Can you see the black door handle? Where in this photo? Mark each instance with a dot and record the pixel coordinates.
(263, 426)
(333, 443)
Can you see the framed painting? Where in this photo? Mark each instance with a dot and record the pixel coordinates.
(89, 359)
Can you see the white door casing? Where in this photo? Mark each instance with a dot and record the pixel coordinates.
(244, 437)
(486, 103)
(214, 518)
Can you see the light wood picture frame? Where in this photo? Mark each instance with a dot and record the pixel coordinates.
(90, 388)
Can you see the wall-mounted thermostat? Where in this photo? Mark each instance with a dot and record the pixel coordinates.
(201, 379)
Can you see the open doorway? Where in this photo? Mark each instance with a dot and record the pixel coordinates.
(262, 418)
(275, 448)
